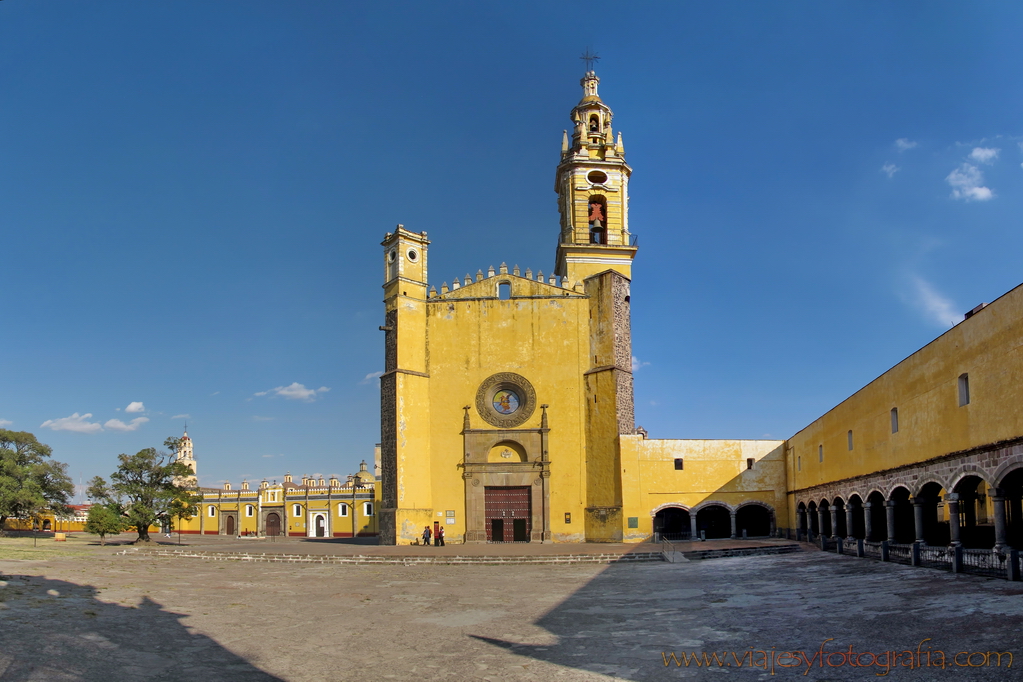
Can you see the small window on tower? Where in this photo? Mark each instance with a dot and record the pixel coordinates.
(594, 124)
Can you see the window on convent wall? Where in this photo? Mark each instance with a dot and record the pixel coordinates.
(749, 462)
(212, 511)
(297, 510)
(895, 420)
(849, 437)
(342, 510)
(367, 509)
(249, 510)
(679, 465)
(964, 389)
(799, 463)
(504, 291)
(820, 453)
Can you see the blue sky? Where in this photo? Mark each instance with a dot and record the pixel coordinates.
(192, 196)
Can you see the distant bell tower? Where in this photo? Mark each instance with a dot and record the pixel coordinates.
(185, 456)
(592, 182)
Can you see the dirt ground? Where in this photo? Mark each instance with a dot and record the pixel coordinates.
(79, 612)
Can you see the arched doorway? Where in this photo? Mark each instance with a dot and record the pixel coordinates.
(229, 525)
(46, 524)
(976, 530)
(878, 518)
(905, 526)
(858, 529)
(273, 524)
(754, 519)
(840, 519)
(715, 521)
(1012, 489)
(672, 523)
(321, 526)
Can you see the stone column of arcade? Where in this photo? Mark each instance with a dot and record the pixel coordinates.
(918, 518)
(998, 501)
(731, 515)
(889, 508)
(849, 522)
(834, 520)
(868, 526)
(693, 536)
(820, 519)
(952, 499)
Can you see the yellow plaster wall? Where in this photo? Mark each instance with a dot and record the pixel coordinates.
(924, 387)
(713, 470)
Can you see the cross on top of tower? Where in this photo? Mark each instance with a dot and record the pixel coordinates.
(591, 58)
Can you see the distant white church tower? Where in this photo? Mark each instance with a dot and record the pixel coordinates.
(185, 456)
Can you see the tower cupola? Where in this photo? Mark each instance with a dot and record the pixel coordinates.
(592, 182)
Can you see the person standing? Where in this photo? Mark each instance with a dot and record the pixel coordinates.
(440, 536)
(426, 535)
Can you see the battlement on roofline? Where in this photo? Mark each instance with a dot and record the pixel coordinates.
(553, 285)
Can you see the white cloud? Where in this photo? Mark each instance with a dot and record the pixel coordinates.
(932, 304)
(257, 418)
(370, 377)
(79, 423)
(214, 393)
(904, 143)
(182, 416)
(118, 425)
(636, 364)
(296, 391)
(890, 168)
(5, 422)
(966, 184)
(984, 154)
(135, 407)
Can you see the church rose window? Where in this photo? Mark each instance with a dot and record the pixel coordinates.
(505, 400)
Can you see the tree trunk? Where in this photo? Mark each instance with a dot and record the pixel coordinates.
(143, 534)
(101, 537)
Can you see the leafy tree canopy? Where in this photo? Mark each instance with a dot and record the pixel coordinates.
(29, 480)
(103, 521)
(148, 489)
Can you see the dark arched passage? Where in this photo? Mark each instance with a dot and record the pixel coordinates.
(673, 523)
(715, 521)
(753, 519)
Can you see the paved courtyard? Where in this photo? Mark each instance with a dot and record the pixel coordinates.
(80, 612)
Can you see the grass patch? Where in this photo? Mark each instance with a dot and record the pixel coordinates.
(45, 548)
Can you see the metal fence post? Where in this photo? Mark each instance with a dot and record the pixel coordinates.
(884, 550)
(915, 554)
(838, 546)
(859, 549)
(1012, 569)
(957, 559)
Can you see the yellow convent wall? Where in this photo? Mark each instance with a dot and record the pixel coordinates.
(925, 390)
(713, 471)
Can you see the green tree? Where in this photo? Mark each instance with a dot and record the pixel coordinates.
(103, 521)
(30, 481)
(147, 489)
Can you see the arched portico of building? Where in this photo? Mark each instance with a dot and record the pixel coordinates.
(672, 522)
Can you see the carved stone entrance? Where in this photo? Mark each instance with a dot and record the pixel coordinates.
(229, 529)
(498, 461)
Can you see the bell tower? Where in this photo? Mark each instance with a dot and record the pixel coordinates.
(592, 183)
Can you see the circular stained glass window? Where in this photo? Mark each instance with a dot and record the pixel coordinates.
(506, 401)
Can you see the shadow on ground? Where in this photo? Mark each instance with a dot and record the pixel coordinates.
(626, 619)
(55, 630)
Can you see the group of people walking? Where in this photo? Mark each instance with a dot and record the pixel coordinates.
(438, 539)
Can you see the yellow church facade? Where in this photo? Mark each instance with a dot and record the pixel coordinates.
(507, 398)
